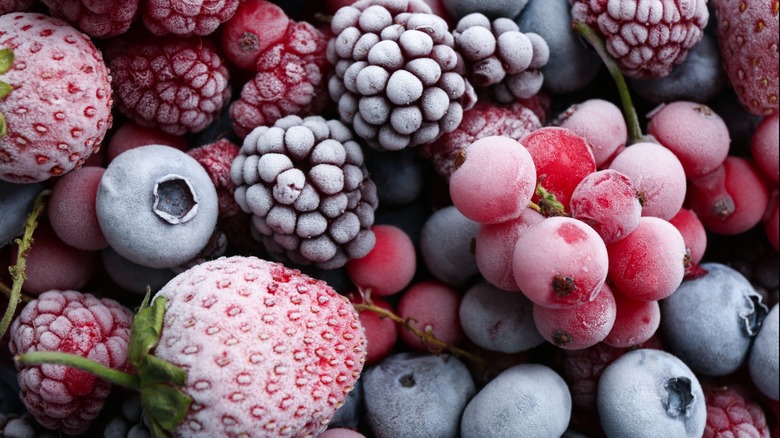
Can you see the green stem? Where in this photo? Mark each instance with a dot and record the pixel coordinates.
(18, 270)
(629, 112)
(73, 360)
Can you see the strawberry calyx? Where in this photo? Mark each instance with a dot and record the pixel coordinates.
(157, 380)
(6, 59)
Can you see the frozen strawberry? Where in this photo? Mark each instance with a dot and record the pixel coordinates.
(58, 106)
(748, 35)
(99, 19)
(62, 398)
(187, 18)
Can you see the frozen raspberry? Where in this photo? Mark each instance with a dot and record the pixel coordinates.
(175, 84)
(217, 158)
(399, 82)
(732, 412)
(59, 106)
(646, 38)
(306, 185)
(499, 56)
(290, 80)
(484, 120)
(99, 19)
(63, 398)
(187, 18)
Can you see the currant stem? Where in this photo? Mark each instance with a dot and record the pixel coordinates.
(629, 111)
(18, 270)
(117, 377)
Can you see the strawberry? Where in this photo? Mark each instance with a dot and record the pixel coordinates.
(55, 97)
(748, 38)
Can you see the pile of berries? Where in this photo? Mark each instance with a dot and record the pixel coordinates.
(274, 218)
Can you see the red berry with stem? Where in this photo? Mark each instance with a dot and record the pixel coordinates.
(431, 307)
(381, 332)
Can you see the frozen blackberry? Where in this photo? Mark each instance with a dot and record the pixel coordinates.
(308, 189)
(499, 56)
(399, 81)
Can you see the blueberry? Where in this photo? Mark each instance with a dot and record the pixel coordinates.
(498, 320)
(16, 201)
(650, 393)
(571, 66)
(709, 322)
(764, 360)
(493, 9)
(438, 386)
(156, 206)
(349, 414)
(526, 400)
(447, 246)
(398, 175)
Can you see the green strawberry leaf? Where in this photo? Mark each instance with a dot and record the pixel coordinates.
(155, 370)
(166, 404)
(3, 129)
(158, 431)
(146, 330)
(5, 88)
(6, 59)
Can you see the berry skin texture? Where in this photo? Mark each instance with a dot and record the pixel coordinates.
(130, 135)
(217, 158)
(71, 209)
(63, 398)
(764, 147)
(650, 393)
(187, 18)
(560, 263)
(693, 233)
(748, 30)
(60, 107)
(607, 201)
(732, 411)
(269, 351)
(646, 38)
(601, 123)
(635, 322)
(7, 6)
(432, 307)
(381, 332)
(256, 26)
(447, 246)
(176, 84)
(763, 362)
(102, 19)
(501, 194)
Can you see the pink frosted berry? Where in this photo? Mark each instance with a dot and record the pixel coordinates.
(62, 398)
(560, 262)
(649, 263)
(609, 202)
(601, 123)
(256, 26)
(98, 19)
(765, 147)
(217, 158)
(130, 135)
(500, 194)
(381, 332)
(658, 175)
(59, 108)
(693, 233)
(268, 350)
(389, 266)
(694, 133)
(187, 18)
(578, 328)
(433, 308)
(636, 321)
(176, 84)
(72, 212)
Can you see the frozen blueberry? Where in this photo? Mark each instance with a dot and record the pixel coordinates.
(498, 320)
(526, 400)
(132, 276)
(410, 394)
(398, 175)
(764, 361)
(447, 246)
(571, 65)
(350, 413)
(650, 393)
(16, 201)
(709, 322)
(493, 9)
(157, 206)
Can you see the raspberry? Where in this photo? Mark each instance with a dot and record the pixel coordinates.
(499, 56)
(646, 38)
(398, 80)
(175, 84)
(187, 18)
(290, 80)
(59, 397)
(217, 158)
(731, 411)
(484, 120)
(59, 107)
(102, 19)
(308, 189)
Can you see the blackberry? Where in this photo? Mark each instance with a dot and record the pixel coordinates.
(308, 189)
(499, 56)
(399, 81)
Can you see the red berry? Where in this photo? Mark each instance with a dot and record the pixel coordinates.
(217, 158)
(102, 19)
(765, 147)
(131, 135)
(601, 123)
(256, 26)
(381, 332)
(72, 212)
(731, 411)
(187, 18)
(693, 232)
(431, 307)
(635, 321)
(389, 266)
(609, 202)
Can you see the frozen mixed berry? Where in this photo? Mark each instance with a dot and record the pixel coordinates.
(432, 308)
(131, 276)
(71, 209)
(101, 19)
(390, 265)
(306, 185)
(187, 18)
(59, 105)
(398, 80)
(130, 135)
(601, 123)
(646, 38)
(291, 78)
(217, 158)
(7, 6)
(763, 359)
(499, 56)
(176, 84)
(63, 398)
(765, 147)
(731, 410)
(447, 243)
(494, 9)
